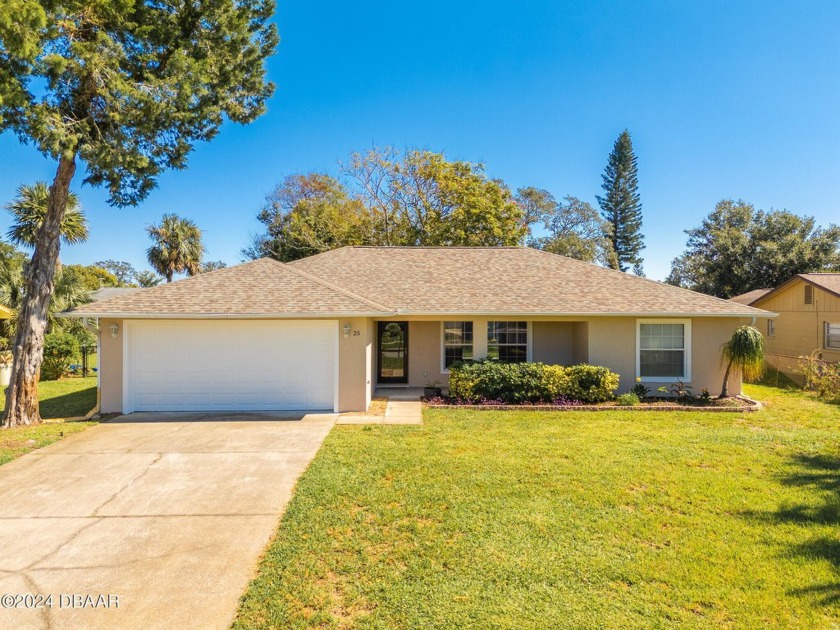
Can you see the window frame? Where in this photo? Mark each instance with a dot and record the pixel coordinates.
(686, 378)
(827, 327)
(443, 346)
(529, 337)
(771, 328)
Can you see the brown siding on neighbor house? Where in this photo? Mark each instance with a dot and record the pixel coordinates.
(800, 327)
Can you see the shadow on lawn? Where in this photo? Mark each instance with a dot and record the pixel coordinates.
(69, 405)
(822, 474)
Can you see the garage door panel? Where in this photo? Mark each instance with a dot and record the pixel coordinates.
(230, 365)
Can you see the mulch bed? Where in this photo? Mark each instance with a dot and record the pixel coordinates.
(736, 404)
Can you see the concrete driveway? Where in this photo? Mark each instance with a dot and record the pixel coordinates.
(163, 514)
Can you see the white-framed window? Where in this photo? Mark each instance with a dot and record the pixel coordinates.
(457, 343)
(507, 341)
(832, 336)
(663, 350)
(771, 328)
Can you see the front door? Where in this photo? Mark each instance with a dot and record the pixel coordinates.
(393, 352)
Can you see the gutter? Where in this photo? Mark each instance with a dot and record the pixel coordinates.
(117, 315)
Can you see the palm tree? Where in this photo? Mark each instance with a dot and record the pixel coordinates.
(69, 292)
(177, 247)
(29, 209)
(744, 352)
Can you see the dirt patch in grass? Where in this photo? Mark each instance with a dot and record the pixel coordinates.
(378, 404)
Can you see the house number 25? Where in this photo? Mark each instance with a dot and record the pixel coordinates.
(356, 333)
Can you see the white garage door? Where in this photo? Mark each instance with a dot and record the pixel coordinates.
(229, 365)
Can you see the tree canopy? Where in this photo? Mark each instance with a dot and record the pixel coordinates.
(389, 198)
(621, 206)
(574, 227)
(123, 271)
(127, 88)
(737, 249)
(130, 86)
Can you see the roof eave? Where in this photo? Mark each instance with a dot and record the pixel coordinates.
(135, 315)
(751, 313)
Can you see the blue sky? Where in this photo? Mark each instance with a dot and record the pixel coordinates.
(723, 99)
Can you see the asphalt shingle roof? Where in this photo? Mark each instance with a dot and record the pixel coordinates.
(828, 281)
(416, 280)
(750, 296)
(503, 280)
(262, 287)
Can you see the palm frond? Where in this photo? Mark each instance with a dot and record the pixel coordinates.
(745, 350)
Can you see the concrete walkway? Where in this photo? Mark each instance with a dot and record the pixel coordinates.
(165, 515)
(404, 407)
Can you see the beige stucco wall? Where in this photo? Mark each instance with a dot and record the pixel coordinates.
(612, 343)
(608, 341)
(424, 348)
(562, 343)
(355, 360)
(354, 364)
(110, 366)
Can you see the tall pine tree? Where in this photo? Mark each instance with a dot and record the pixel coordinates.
(620, 206)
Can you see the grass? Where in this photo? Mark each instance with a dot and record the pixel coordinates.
(59, 399)
(567, 520)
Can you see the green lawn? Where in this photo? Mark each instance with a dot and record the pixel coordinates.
(59, 399)
(583, 520)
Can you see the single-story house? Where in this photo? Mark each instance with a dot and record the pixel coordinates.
(808, 322)
(324, 331)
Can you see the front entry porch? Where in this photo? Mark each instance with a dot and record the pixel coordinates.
(415, 353)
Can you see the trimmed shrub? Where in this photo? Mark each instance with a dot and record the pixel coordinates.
(59, 351)
(630, 399)
(515, 383)
(591, 383)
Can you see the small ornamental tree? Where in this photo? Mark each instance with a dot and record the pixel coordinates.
(126, 89)
(745, 353)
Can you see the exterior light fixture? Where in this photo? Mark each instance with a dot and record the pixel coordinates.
(114, 328)
(346, 330)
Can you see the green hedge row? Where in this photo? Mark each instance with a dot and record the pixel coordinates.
(516, 383)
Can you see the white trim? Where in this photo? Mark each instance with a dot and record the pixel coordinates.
(529, 335)
(443, 369)
(827, 326)
(126, 315)
(336, 364)
(686, 378)
(127, 405)
(529, 342)
(404, 313)
(520, 315)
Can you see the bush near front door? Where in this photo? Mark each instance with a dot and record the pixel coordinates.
(516, 383)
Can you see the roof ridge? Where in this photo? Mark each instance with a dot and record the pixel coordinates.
(332, 286)
(627, 275)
